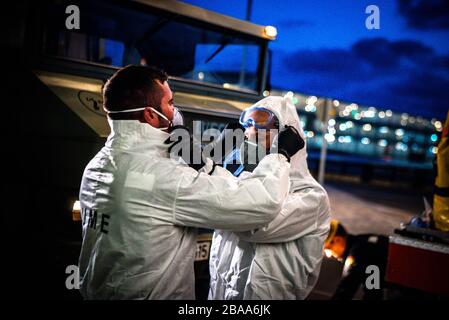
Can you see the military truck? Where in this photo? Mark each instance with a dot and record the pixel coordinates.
(58, 55)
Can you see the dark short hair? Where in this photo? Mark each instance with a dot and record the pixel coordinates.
(134, 87)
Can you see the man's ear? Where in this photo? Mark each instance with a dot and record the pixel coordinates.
(149, 117)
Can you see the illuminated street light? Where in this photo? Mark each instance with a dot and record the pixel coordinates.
(367, 127)
(401, 146)
(365, 140)
(344, 139)
(434, 137)
(311, 100)
(382, 143)
(329, 137)
(289, 94)
(310, 108)
(368, 113)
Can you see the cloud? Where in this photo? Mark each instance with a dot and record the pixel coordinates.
(404, 75)
(425, 14)
(382, 53)
(323, 61)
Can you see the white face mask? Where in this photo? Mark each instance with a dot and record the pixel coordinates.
(178, 118)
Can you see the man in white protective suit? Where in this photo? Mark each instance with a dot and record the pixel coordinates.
(140, 207)
(281, 260)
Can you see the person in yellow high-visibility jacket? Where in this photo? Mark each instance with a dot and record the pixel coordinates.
(441, 193)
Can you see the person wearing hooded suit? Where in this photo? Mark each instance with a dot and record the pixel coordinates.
(140, 206)
(281, 260)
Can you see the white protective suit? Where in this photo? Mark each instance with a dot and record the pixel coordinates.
(283, 259)
(139, 207)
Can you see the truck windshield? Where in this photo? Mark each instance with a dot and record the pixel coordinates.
(117, 36)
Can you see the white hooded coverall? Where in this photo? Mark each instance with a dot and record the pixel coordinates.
(138, 208)
(283, 259)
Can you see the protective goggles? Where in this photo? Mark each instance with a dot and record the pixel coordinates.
(258, 117)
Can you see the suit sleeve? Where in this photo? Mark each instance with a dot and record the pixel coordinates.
(223, 202)
(303, 212)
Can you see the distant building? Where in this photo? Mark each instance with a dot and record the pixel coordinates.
(367, 136)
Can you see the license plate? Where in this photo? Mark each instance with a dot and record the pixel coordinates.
(202, 251)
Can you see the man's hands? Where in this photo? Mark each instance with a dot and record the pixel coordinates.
(182, 144)
(288, 142)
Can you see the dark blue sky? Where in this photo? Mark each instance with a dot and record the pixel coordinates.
(323, 48)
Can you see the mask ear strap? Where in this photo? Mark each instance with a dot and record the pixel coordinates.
(128, 110)
(159, 113)
(163, 117)
(127, 114)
